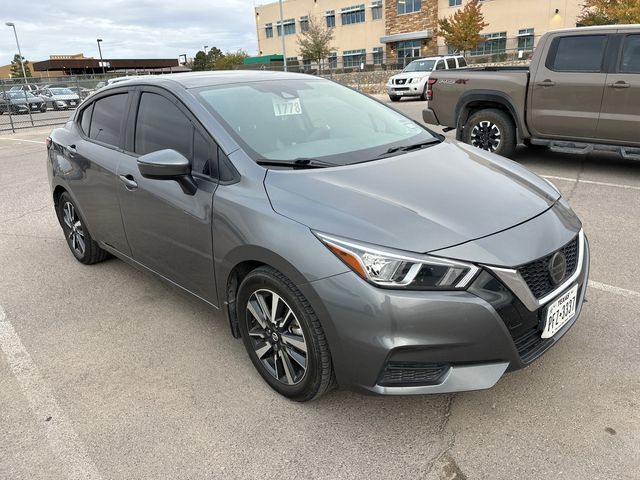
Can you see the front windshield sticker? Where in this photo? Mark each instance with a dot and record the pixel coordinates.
(286, 107)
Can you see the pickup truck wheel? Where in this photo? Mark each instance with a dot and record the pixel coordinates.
(393, 98)
(491, 130)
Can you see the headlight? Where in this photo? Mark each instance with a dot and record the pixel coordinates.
(396, 269)
(416, 80)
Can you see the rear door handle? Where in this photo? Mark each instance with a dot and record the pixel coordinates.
(129, 182)
(546, 83)
(619, 84)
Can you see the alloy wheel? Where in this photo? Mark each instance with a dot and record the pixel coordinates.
(486, 135)
(276, 336)
(75, 231)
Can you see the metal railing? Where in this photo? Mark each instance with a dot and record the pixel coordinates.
(31, 103)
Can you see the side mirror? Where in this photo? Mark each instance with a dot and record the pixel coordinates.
(168, 165)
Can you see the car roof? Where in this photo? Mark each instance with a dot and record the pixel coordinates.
(211, 78)
(598, 28)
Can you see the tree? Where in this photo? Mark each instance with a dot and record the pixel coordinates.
(16, 69)
(212, 57)
(315, 43)
(610, 12)
(199, 62)
(461, 31)
(231, 59)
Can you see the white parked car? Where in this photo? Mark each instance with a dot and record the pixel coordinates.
(412, 81)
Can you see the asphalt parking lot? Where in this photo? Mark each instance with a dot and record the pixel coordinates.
(105, 373)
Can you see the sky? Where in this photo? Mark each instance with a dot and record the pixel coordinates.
(129, 28)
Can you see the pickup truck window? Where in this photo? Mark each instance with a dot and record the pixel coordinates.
(451, 63)
(580, 53)
(462, 62)
(630, 62)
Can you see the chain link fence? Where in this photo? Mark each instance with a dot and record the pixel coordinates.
(43, 101)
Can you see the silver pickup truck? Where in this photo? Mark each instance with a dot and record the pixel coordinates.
(580, 93)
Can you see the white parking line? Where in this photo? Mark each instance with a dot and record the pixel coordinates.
(592, 182)
(23, 140)
(69, 450)
(611, 289)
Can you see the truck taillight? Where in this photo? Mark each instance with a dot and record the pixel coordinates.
(430, 83)
(49, 142)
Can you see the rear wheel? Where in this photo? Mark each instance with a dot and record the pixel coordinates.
(82, 246)
(492, 130)
(394, 98)
(283, 336)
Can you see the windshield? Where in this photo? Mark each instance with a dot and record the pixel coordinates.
(61, 91)
(420, 66)
(19, 94)
(310, 118)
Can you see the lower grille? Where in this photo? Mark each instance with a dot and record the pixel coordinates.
(531, 345)
(398, 374)
(536, 273)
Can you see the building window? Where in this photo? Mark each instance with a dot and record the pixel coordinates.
(455, 3)
(289, 27)
(494, 43)
(333, 60)
(525, 39)
(268, 30)
(353, 14)
(408, 6)
(353, 58)
(376, 10)
(306, 64)
(409, 49)
(377, 56)
(331, 18)
(304, 23)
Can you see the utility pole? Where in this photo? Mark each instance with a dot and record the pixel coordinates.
(24, 73)
(284, 52)
(99, 40)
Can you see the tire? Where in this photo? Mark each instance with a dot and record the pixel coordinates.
(43, 109)
(492, 130)
(277, 349)
(394, 98)
(424, 92)
(82, 246)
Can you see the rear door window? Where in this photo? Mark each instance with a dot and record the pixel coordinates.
(580, 53)
(85, 119)
(440, 65)
(451, 63)
(630, 61)
(106, 121)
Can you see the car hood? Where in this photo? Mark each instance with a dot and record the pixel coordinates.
(420, 201)
(64, 97)
(408, 75)
(22, 101)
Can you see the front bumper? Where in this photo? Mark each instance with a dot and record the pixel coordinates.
(398, 342)
(406, 90)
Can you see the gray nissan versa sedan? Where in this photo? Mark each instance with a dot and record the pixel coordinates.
(345, 242)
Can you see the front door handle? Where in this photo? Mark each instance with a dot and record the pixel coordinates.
(619, 84)
(129, 182)
(71, 150)
(546, 83)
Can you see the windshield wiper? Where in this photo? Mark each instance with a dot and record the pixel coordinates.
(413, 146)
(298, 163)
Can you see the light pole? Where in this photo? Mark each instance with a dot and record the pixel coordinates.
(99, 40)
(24, 73)
(284, 53)
(205, 50)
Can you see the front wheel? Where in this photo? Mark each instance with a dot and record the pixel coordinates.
(283, 336)
(82, 246)
(492, 130)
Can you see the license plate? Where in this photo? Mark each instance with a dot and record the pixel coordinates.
(73, 103)
(560, 312)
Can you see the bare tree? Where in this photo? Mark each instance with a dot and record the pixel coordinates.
(315, 42)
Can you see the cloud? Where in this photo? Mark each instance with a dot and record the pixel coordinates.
(129, 28)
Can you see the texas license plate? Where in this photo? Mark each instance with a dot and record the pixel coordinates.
(560, 312)
(72, 103)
